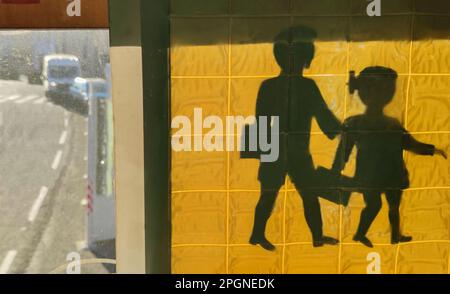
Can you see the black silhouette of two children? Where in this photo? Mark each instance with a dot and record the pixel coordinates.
(380, 140)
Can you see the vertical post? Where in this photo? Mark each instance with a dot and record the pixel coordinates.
(140, 78)
(155, 35)
(127, 94)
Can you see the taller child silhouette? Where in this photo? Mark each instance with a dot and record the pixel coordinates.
(296, 100)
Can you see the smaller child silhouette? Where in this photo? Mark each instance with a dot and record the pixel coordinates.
(380, 141)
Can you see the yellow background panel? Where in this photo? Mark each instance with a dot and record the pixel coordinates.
(429, 104)
(387, 50)
(397, 6)
(242, 213)
(322, 150)
(393, 54)
(260, 7)
(324, 7)
(333, 90)
(431, 47)
(330, 54)
(244, 93)
(243, 173)
(296, 227)
(208, 94)
(431, 258)
(354, 258)
(199, 7)
(427, 171)
(380, 230)
(426, 214)
(199, 218)
(252, 45)
(305, 259)
(255, 260)
(200, 60)
(431, 56)
(199, 260)
(199, 171)
(219, 63)
(191, 51)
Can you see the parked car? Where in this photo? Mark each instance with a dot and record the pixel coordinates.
(58, 75)
(84, 89)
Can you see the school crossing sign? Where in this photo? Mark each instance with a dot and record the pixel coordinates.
(42, 14)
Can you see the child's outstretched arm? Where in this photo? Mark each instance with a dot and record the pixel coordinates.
(417, 147)
(326, 119)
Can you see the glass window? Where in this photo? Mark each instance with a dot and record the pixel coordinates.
(56, 165)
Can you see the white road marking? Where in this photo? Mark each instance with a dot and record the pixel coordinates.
(1, 118)
(85, 177)
(63, 138)
(13, 97)
(40, 101)
(26, 99)
(66, 122)
(57, 159)
(37, 204)
(7, 262)
(10, 98)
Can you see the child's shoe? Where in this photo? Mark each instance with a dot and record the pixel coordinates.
(364, 240)
(401, 239)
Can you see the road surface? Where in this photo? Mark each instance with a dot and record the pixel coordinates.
(43, 167)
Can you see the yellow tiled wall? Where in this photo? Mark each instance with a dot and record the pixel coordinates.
(222, 51)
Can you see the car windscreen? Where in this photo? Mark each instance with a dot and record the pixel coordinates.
(64, 72)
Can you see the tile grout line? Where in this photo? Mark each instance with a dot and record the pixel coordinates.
(187, 77)
(311, 133)
(408, 93)
(285, 192)
(309, 244)
(284, 15)
(408, 89)
(346, 98)
(289, 190)
(230, 27)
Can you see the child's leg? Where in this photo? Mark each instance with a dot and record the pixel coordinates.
(393, 198)
(368, 215)
(262, 214)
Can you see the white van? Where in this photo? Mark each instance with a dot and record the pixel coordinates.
(59, 73)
